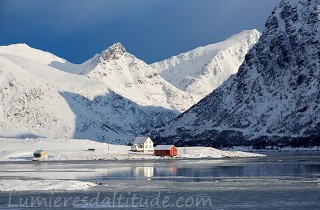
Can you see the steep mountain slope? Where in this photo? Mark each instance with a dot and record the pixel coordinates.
(274, 97)
(39, 100)
(132, 78)
(29, 106)
(203, 69)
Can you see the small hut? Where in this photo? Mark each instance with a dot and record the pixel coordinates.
(40, 154)
(165, 150)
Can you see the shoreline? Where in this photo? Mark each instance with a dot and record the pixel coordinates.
(14, 150)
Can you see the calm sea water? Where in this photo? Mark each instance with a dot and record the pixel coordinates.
(282, 180)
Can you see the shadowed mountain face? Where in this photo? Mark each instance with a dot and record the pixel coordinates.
(274, 97)
(113, 118)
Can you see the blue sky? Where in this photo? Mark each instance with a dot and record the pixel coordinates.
(152, 30)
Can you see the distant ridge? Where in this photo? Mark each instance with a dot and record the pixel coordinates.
(203, 69)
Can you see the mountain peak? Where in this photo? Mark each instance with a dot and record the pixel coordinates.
(203, 69)
(245, 33)
(113, 52)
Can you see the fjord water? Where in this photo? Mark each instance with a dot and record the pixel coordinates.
(282, 180)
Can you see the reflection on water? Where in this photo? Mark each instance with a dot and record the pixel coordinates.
(280, 181)
(306, 166)
(146, 171)
(309, 167)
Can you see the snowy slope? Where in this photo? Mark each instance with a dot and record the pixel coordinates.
(275, 95)
(25, 51)
(203, 69)
(29, 106)
(132, 78)
(39, 100)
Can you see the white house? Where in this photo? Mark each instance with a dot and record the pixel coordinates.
(142, 144)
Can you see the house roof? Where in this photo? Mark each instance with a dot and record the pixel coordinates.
(140, 139)
(163, 147)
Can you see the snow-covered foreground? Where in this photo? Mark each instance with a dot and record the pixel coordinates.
(31, 185)
(75, 149)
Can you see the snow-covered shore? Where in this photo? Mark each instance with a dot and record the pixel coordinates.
(52, 185)
(76, 149)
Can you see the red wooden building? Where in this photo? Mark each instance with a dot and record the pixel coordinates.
(165, 150)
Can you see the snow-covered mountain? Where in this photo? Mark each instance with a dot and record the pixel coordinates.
(39, 56)
(132, 78)
(29, 106)
(275, 95)
(37, 99)
(203, 69)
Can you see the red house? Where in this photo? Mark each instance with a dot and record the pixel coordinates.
(165, 150)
